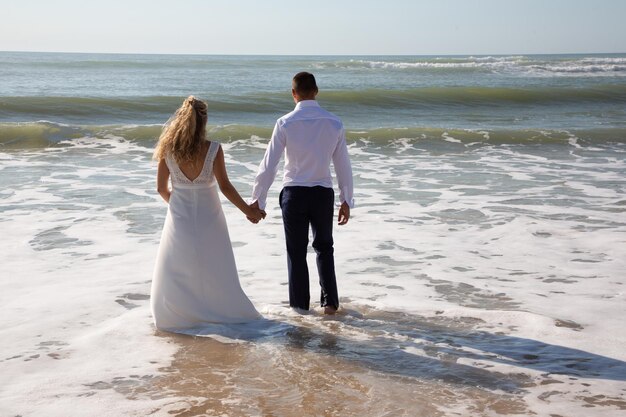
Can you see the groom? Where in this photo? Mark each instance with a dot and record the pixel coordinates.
(311, 138)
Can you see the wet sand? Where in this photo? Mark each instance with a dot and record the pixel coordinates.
(362, 363)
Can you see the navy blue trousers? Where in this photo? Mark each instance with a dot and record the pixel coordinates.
(301, 207)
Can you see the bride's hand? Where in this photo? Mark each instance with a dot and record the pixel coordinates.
(255, 214)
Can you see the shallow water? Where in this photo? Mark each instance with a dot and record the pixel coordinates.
(475, 279)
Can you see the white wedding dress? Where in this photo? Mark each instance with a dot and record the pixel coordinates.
(195, 278)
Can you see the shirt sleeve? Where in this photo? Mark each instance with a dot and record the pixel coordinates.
(268, 166)
(343, 169)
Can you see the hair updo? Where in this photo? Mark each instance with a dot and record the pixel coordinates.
(184, 133)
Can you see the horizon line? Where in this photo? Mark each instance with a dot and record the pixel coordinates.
(306, 55)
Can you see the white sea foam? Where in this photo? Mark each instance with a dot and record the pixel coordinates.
(487, 62)
(579, 69)
(521, 245)
(507, 64)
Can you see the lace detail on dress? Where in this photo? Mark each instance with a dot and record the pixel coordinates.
(206, 175)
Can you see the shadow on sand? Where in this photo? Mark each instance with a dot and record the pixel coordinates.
(421, 347)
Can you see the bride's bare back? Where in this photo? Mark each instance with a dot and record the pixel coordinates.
(192, 169)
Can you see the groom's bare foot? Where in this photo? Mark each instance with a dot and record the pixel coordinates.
(330, 310)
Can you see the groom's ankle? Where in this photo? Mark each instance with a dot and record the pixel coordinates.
(330, 310)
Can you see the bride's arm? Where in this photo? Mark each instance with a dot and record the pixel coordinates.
(163, 174)
(219, 169)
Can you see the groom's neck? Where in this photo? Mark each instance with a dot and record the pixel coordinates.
(298, 98)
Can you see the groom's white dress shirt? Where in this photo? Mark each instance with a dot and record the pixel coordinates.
(311, 138)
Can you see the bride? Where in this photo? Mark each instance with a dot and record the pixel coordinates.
(195, 277)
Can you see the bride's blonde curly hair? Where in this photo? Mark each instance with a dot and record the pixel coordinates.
(184, 132)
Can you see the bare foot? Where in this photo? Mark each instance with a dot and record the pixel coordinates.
(330, 310)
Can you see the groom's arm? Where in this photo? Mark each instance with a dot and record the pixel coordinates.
(343, 169)
(268, 167)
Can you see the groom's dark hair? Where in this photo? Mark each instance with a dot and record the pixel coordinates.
(304, 84)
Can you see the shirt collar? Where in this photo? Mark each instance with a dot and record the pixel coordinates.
(307, 103)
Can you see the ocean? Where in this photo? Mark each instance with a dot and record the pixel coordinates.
(482, 272)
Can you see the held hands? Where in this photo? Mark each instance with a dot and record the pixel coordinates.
(255, 214)
(344, 214)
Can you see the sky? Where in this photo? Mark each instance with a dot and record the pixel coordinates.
(321, 27)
